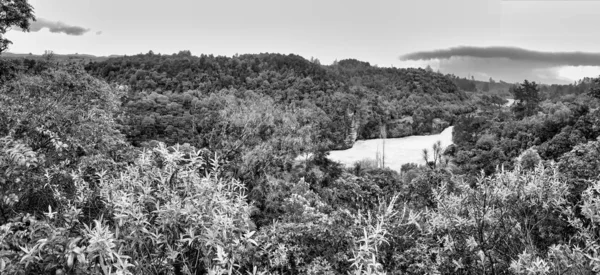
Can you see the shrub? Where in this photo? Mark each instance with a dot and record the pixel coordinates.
(481, 229)
(162, 220)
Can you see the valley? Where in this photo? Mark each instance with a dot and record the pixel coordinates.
(192, 158)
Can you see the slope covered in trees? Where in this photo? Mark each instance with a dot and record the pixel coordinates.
(77, 197)
(552, 127)
(86, 188)
(173, 97)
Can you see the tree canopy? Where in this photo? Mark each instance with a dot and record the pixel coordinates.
(14, 13)
(181, 164)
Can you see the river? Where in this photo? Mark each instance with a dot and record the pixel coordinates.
(398, 151)
(510, 102)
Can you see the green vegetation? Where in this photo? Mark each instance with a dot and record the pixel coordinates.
(179, 164)
(178, 98)
(13, 13)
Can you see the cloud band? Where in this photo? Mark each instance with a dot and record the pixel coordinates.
(512, 53)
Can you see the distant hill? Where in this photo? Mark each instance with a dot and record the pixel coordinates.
(59, 57)
(502, 89)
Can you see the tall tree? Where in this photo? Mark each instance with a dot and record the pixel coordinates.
(527, 98)
(13, 13)
(595, 88)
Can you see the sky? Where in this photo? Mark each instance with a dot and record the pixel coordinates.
(383, 32)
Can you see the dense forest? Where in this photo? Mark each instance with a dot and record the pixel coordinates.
(177, 98)
(181, 164)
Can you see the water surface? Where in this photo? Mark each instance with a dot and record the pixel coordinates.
(510, 102)
(398, 151)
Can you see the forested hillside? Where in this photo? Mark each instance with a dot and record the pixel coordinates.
(178, 98)
(79, 174)
(552, 127)
(177, 164)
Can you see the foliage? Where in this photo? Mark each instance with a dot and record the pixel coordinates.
(169, 97)
(577, 256)
(595, 89)
(165, 218)
(481, 230)
(14, 13)
(583, 162)
(527, 99)
(188, 165)
(489, 140)
(51, 124)
(375, 230)
(529, 159)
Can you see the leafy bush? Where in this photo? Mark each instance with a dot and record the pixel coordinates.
(580, 253)
(51, 124)
(480, 230)
(529, 159)
(165, 218)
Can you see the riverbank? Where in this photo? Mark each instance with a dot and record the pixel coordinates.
(398, 151)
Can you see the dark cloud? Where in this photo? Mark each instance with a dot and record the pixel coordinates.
(511, 53)
(98, 32)
(57, 27)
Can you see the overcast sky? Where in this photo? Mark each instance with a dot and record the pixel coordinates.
(382, 32)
